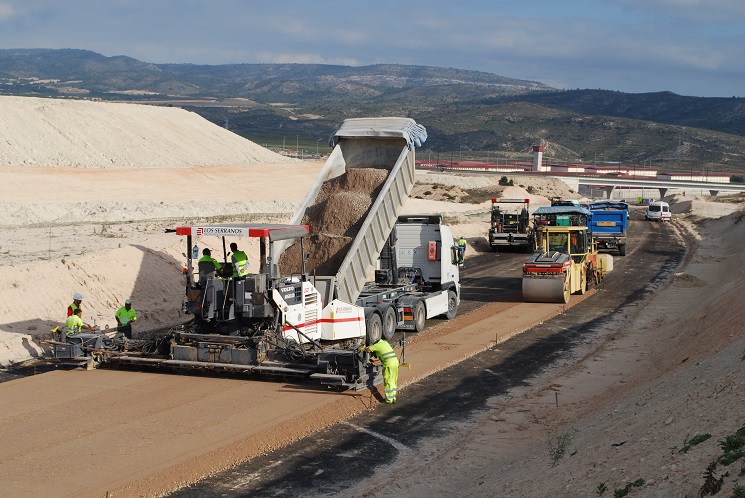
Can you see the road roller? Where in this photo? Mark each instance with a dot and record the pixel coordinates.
(565, 262)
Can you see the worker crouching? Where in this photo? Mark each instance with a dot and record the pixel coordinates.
(384, 352)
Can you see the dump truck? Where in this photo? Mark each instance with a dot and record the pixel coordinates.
(609, 223)
(396, 272)
(510, 228)
(565, 260)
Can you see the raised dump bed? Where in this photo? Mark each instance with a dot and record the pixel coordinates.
(375, 156)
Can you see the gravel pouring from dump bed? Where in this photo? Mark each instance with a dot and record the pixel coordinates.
(334, 219)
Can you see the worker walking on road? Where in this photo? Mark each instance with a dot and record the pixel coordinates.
(76, 302)
(124, 318)
(74, 324)
(462, 251)
(384, 351)
(240, 261)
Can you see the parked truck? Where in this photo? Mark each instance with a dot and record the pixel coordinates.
(510, 227)
(398, 271)
(565, 260)
(609, 223)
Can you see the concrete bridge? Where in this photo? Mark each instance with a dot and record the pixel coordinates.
(609, 184)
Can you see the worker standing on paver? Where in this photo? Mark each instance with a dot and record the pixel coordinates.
(207, 257)
(77, 300)
(240, 261)
(384, 351)
(124, 318)
(462, 251)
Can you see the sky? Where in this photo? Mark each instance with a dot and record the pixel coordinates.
(689, 47)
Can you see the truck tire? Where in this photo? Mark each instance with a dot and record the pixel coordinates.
(622, 249)
(420, 316)
(374, 326)
(452, 305)
(390, 322)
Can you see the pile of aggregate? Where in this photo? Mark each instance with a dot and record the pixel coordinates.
(334, 219)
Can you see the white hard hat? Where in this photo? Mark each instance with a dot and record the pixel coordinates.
(77, 297)
(127, 301)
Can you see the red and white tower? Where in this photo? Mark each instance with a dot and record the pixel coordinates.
(538, 158)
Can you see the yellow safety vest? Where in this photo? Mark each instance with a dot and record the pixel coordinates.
(210, 258)
(73, 325)
(240, 264)
(126, 316)
(385, 353)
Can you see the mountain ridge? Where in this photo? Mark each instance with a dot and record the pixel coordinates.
(484, 114)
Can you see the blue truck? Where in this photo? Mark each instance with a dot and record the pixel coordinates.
(608, 225)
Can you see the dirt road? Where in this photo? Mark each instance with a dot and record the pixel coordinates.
(128, 433)
(398, 451)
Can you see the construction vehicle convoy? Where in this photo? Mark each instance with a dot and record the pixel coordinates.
(566, 260)
(509, 228)
(303, 325)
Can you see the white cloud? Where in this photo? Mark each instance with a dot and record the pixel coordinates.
(6, 11)
(303, 58)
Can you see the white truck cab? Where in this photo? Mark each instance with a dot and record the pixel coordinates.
(658, 211)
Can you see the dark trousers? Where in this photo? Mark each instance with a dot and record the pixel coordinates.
(126, 330)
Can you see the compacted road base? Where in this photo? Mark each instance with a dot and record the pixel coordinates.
(124, 433)
(341, 460)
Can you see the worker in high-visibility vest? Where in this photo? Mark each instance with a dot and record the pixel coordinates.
(207, 256)
(77, 300)
(384, 351)
(240, 261)
(461, 250)
(74, 324)
(125, 316)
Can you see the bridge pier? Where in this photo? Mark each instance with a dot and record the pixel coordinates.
(663, 192)
(714, 192)
(609, 191)
(572, 183)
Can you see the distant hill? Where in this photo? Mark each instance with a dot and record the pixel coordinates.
(720, 114)
(469, 114)
(82, 71)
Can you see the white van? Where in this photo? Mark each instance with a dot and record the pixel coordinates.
(658, 211)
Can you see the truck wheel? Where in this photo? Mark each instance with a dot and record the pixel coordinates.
(452, 305)
(420, 315)
(390, 322)
(622, 249)
(374, 326)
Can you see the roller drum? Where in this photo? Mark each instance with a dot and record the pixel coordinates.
(546, 289)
